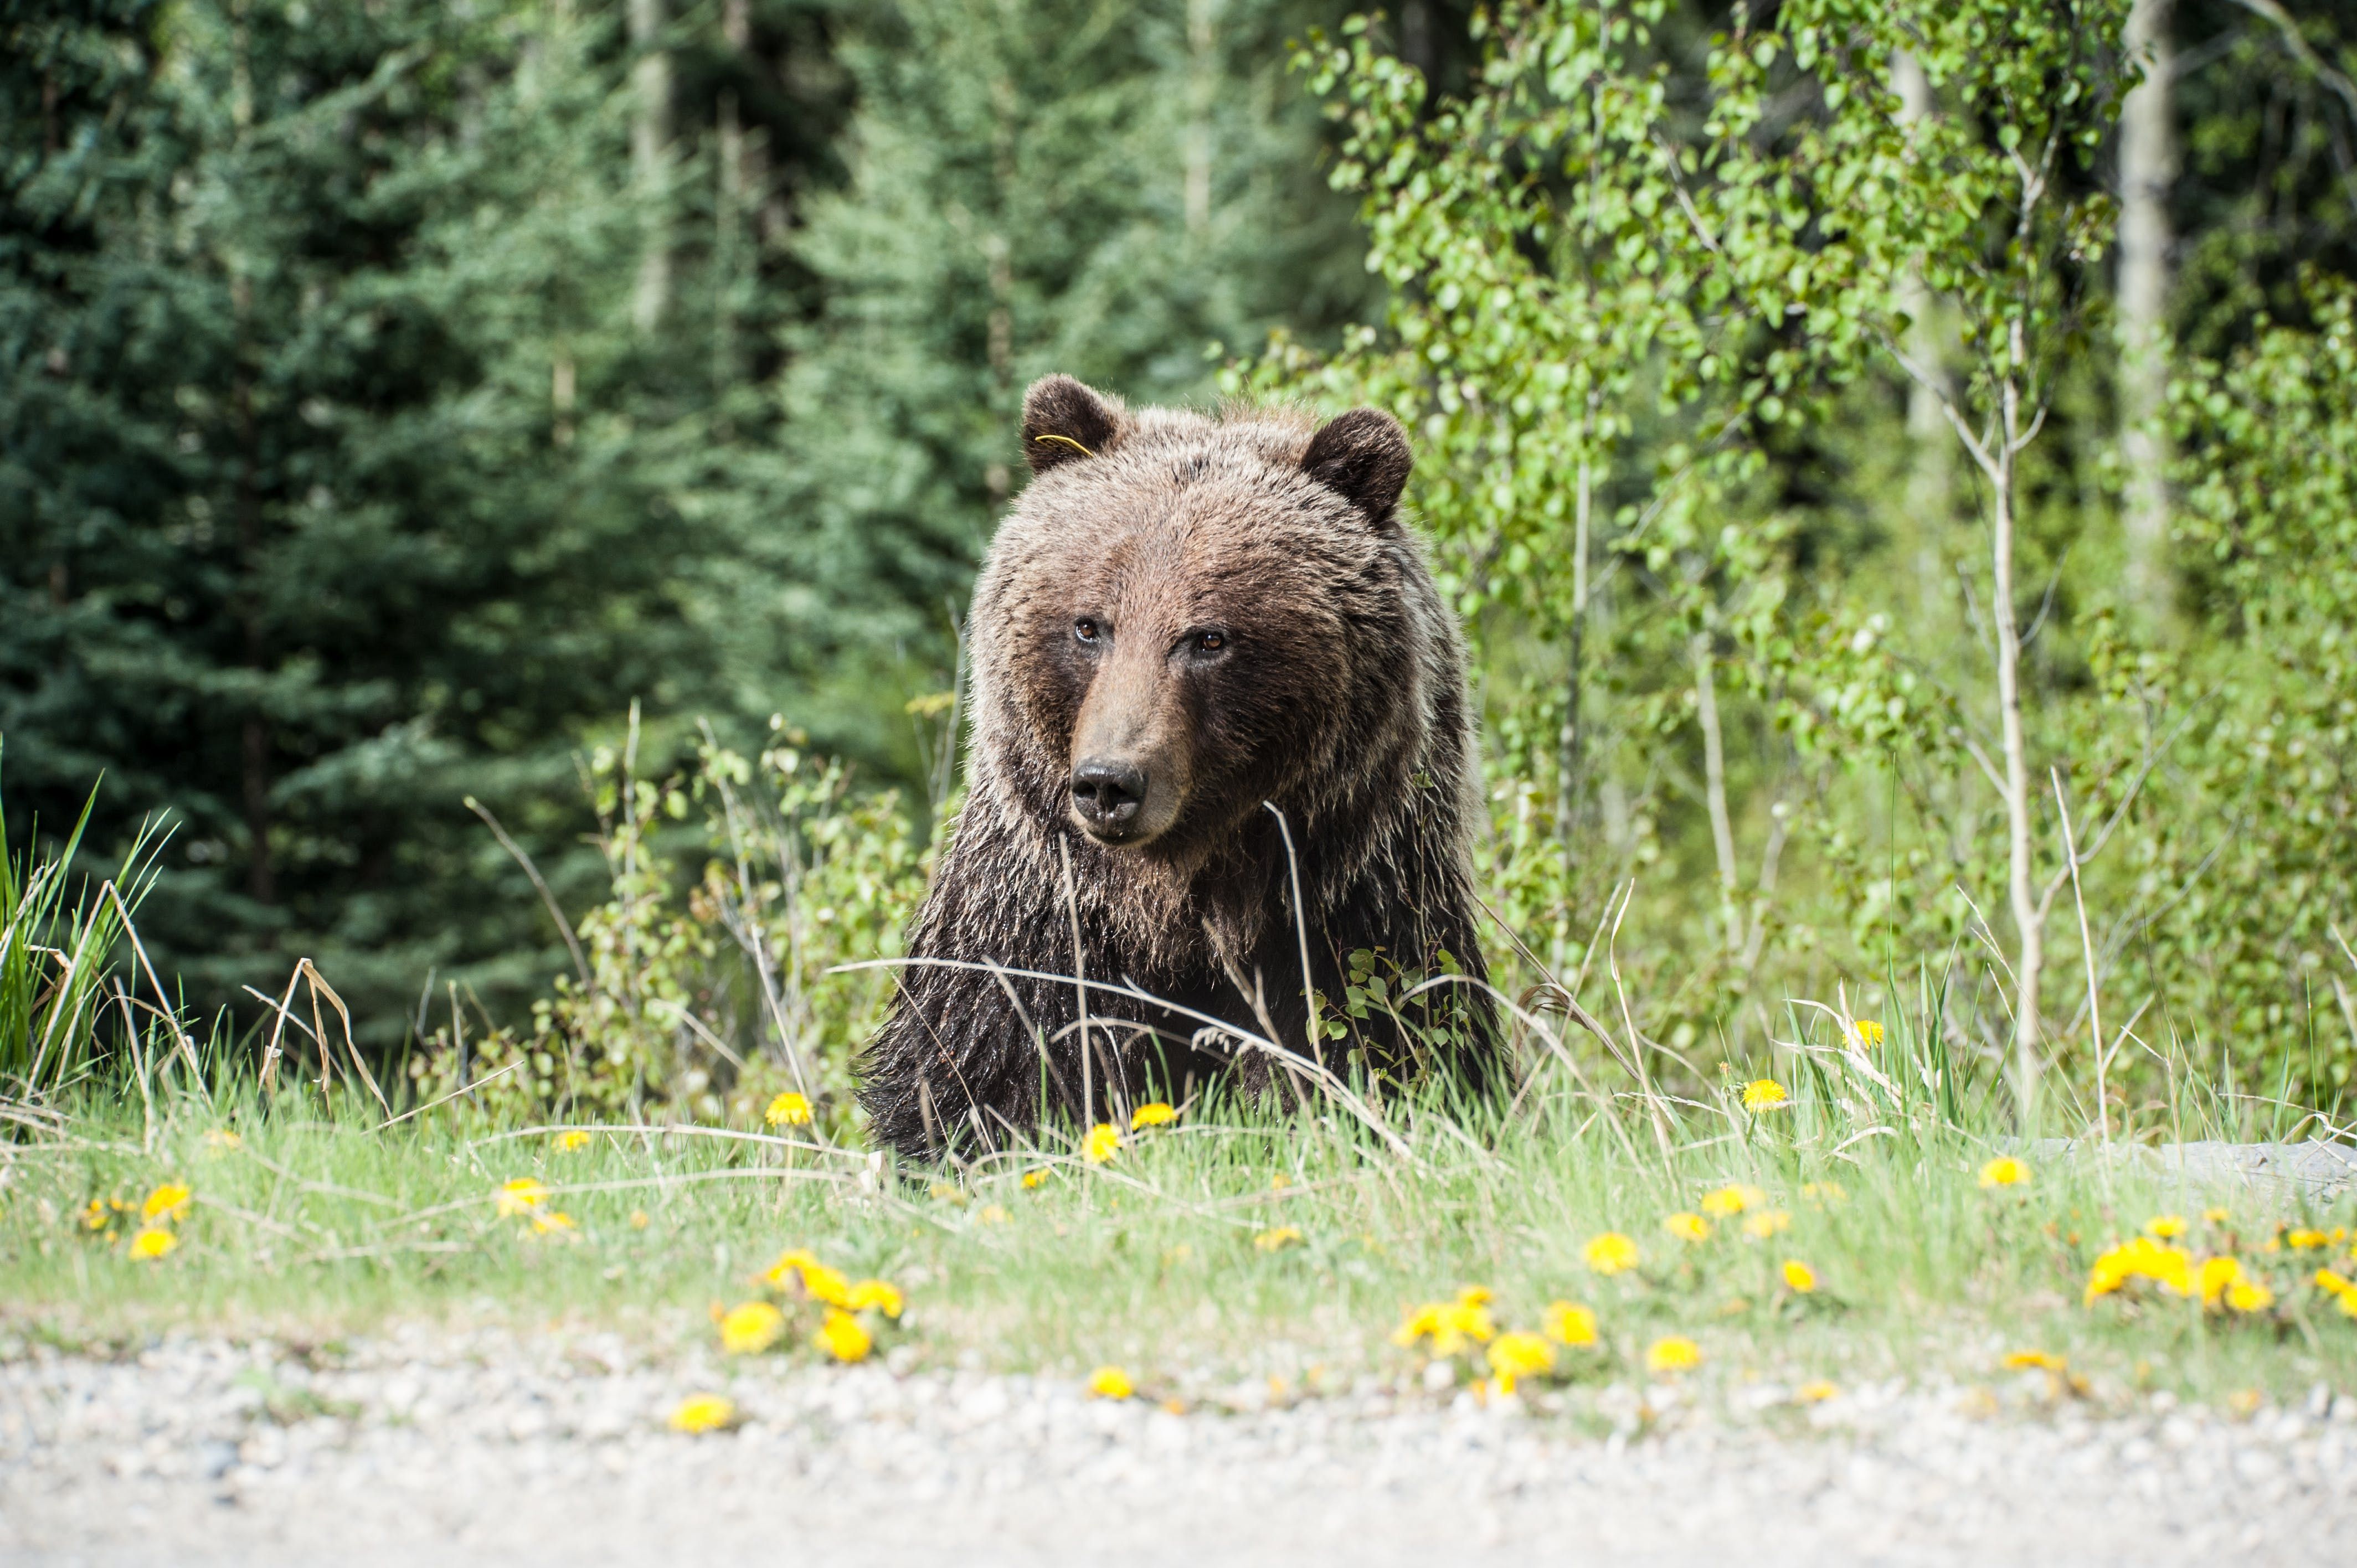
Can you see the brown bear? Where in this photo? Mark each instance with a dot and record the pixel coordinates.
(1194, 637)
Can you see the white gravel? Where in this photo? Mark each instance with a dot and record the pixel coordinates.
(428, 1447)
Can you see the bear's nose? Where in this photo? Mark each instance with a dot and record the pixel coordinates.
(1106, 792)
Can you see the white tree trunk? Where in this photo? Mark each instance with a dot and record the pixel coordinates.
(1931, 445)
(2148, 165)
(650, 152)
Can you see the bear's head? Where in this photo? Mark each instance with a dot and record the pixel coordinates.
(1184, 616)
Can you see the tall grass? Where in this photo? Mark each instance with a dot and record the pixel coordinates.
(1176, 1257)
(59, 940)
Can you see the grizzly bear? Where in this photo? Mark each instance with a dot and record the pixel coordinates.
(1194, 639)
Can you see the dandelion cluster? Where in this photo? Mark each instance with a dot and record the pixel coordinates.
(1449, 1326)
(525, 1198)
(1569, 1340)
(845, 1316)
(2156, 1262)
(150, 1224)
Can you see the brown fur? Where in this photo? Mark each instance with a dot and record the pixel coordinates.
(1267, 631)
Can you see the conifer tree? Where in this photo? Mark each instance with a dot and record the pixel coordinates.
(339, 486)
(1106, 190)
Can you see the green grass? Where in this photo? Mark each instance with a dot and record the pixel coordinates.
(319, 1223)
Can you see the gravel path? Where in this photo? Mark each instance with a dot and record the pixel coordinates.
(496, 1448)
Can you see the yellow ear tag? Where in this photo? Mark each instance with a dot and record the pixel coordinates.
(1069, 442)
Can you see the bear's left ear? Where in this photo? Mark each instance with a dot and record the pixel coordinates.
(1362, 456)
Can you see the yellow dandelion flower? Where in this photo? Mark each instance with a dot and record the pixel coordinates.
(2304, 1241)
(571, 1140)
(750, 1327)
(99, 1215)
(1278, 1240)
(1450, 1325)
(2034, 1360)
(2348, 1301)
(1675, 1354)
(1867, 1032)
(1610, 1253)
(552, 1222)
(829, 1285)
(788, 1110)
(638, 1219)
(2214, 1216)
(1102, 1143)
(2213, 1279)
(1815, 1391)
(1110, 1383)
(2331, 1284)
(1519, 1355)
(1033, 1178)
(220, 1140)
(703, 1412)
(948, 1192)
(151, 1243)
(2141, 1257)
(1764, 1094)
(789, 1264)
(520, 1195)
(2249, 1295)
(1567, 1322)
(1476, 1295)
(843, 1336)
(884, 1298)
(1687, 1227)
(1153, 1113)
(993, 1214)
(2165, 1226)
(1766, 1223)
(167, 1202)
(1723, 1202)
(1799, 1277)
(2004, 1171)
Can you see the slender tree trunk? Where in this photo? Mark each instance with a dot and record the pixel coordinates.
(1575, 733)
(1203, 83)
(2148, 165)
(1931, 446)
(1714, 770)
(729, 215)
(650, 152)
(2029, 963)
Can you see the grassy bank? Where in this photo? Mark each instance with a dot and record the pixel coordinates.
(1232, 1242)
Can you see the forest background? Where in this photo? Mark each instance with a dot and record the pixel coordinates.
(1897, 465)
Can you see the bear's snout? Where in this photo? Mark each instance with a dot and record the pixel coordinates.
(1107, 793)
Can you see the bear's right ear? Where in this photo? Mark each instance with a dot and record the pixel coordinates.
(1064, 421)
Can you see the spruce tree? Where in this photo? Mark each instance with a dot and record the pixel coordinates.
(338, 484)
(1106, 190)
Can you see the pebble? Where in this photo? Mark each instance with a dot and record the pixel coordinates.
(493, 1447)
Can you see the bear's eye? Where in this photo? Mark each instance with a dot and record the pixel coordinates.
(1084, 629)
(1210, 642)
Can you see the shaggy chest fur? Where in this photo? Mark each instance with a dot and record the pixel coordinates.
(1210, 670)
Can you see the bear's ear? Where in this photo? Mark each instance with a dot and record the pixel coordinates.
(1064, 421)
(1362, 456)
